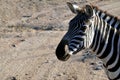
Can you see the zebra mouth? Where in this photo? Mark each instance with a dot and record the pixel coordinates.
(65, 57)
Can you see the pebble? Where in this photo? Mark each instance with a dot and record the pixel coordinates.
(13, 45)
(92, 63)
(11, 78)
(97, 68)
(59, 74)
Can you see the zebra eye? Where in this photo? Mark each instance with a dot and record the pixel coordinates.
(86, 21)
(83, 28)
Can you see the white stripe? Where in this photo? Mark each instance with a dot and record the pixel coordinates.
(74, 40)
(117, 23)
(102, 15)
(111, 22)
(98, 12)
(75, 49)
(107, 18)
(75, 6)
(72, 44)
(77, 45)
(104, 30)
(70, 53)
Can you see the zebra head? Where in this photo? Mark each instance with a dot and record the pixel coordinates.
(80, 30)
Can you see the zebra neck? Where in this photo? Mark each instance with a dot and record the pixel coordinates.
(105, 42)
(104, 25)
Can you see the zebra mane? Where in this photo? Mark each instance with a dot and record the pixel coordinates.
(116, 19)
(107, 13)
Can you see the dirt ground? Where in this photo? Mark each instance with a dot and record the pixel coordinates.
(31, 56)
(30, 31)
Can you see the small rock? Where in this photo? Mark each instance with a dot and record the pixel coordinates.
(11, 78)
(97, 68)
(47, 61)
(39, 66)
(22, 40)
(18, 36)
(26, 74)
(13, 45)
(92, 63)
(59, 74)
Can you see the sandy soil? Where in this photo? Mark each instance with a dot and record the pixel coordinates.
(31, 56)
(29, 53)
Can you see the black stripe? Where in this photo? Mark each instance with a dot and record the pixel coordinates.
(81, 33)
(71, 49)
(74, 46)
(114, 56)
(100, 13)
(118, 27)
(74, 42)
(115, 20)
(109, 45)
(105, 17)
(79, 38)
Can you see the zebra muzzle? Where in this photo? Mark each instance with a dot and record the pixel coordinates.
(62, 51)
(67, 55)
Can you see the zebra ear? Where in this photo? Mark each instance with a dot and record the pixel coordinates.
(74, 8)
(89, 10)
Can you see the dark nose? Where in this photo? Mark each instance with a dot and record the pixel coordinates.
(60, 51)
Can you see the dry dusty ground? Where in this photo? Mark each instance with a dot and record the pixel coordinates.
(31, 56)
(28, 54)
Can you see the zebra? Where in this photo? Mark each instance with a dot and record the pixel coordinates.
(97, 31)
